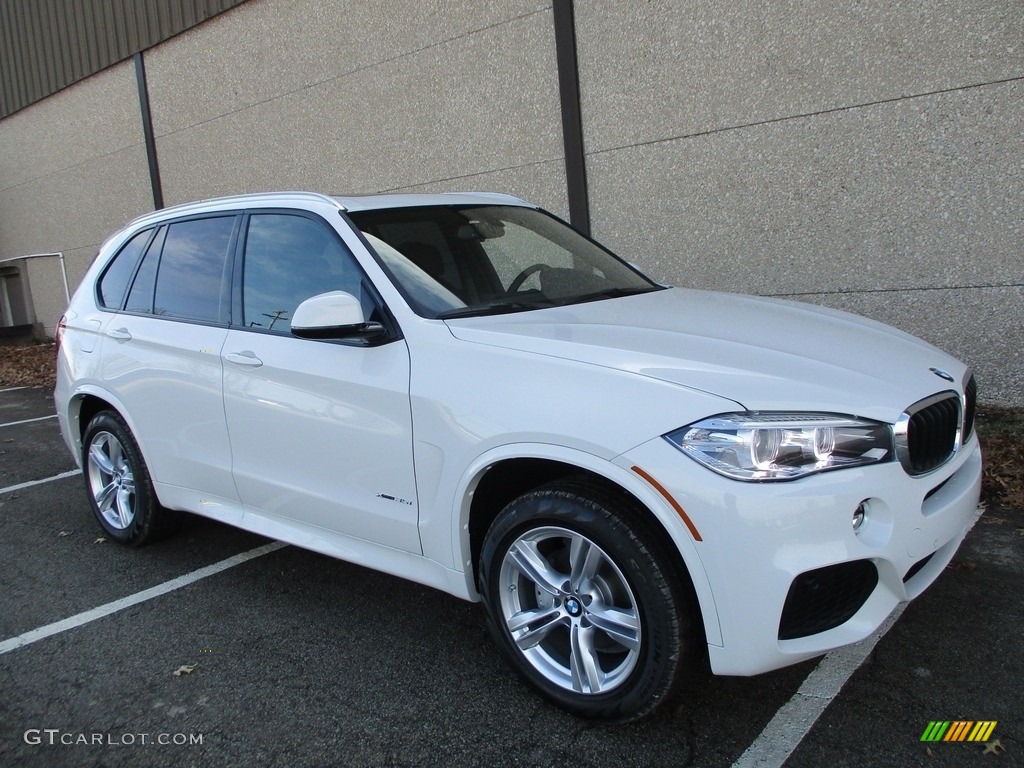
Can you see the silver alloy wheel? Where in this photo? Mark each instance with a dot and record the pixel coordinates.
(111, 480)
(569, 610)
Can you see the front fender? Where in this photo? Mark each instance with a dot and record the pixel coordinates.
(449, 541)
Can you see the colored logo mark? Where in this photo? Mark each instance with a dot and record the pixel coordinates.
(959, 730)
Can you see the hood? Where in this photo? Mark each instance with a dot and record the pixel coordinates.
(764, 354)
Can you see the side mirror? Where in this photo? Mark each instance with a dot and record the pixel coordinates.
(334, 315)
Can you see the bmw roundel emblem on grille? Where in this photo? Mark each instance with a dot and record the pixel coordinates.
(941, 374)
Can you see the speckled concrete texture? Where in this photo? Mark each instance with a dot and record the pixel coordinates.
(73, 166)
(919, 193)
(72, 169)
(266, 49)
(668, 68)
(542, 183)
(88, 120)
(453, 91)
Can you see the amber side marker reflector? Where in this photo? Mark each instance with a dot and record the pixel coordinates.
(675, 504)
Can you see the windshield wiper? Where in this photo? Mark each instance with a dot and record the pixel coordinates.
(494, 308)
(609, 293)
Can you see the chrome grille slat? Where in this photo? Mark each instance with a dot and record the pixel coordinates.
(933, 435)
(970, 407)
(929, 433)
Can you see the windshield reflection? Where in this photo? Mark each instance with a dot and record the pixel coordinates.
(457, 261)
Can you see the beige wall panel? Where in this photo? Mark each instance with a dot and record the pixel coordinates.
(266, 49)
(78, 207)
(72, 170)
(90, 119)
(540, 183)
(917, 193)
(984, 327)
(671, 68)
(73, 211)
(482, 102)
(48, 304)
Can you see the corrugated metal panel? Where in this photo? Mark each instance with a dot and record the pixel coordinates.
(46, 45)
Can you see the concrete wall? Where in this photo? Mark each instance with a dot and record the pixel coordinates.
(72, 170)
(338, 97)
(867, 156)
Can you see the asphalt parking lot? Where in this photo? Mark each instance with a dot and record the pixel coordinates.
(290, 658)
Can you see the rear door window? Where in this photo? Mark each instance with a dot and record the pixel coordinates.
(192, 277)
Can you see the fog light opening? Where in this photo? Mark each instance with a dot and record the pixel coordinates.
(858, 516)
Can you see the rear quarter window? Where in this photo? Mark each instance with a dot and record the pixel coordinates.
(117, 275)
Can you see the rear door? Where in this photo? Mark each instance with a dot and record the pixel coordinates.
(161, 358)
(321, 431)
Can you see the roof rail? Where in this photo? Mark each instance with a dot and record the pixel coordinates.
(240, 200)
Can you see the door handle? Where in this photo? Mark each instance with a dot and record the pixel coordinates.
(121, 334)
(245, 358)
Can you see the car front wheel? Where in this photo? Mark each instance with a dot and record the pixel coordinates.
(584, 602)
(120, 489)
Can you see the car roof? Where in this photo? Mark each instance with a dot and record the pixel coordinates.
(352, 203)
(376, 202)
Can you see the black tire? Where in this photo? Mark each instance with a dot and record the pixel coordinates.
(581, 650)
(118, 484)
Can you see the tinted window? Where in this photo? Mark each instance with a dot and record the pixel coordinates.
(287, 260)
(458, 261)
(519, 247)
(115, 279)
(423, 243)
(190, 278)
(140, 297)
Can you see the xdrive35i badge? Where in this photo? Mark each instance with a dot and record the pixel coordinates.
(941, 374)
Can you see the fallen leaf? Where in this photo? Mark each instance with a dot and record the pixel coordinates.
(962, 565)
(995, 747)
(184, 669)
(64, 533)
(31, 365)
(99, 540)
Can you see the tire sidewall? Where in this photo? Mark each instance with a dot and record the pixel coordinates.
(657, 605)
(145, 501)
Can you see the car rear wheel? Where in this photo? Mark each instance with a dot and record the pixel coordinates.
(584, 602)
(119, 486)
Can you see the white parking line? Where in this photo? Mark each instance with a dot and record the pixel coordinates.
(28, 421)
(797, 716)
(126, 602)
(30, 483)
(11, 389)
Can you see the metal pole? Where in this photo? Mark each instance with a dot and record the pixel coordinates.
(63, 267)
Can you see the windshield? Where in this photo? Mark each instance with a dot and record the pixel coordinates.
(461, 261)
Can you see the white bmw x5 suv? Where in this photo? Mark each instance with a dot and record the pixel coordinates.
(462, 390)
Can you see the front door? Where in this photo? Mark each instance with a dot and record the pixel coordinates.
(321, 431)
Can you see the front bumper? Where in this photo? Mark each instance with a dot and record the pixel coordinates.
(762, 543)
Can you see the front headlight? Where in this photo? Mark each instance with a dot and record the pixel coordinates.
(782, 446)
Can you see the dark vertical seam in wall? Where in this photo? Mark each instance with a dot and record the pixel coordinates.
(572, 123)
(147, 130)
